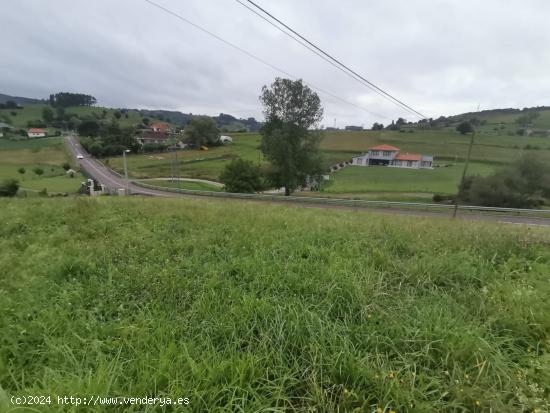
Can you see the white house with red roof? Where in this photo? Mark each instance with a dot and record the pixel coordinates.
(36, 133)
(387, 155)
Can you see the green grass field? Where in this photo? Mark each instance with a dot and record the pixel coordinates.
(444, 180)
(195, 186)
(306, 310)
(193, 163)
(47, 153)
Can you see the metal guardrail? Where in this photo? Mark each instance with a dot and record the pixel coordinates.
(357, 203)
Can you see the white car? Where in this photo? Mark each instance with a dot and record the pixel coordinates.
(79, 156)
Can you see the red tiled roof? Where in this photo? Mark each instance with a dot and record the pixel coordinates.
(36, 130)
(383, 148)
(160, 125)
(408, 157)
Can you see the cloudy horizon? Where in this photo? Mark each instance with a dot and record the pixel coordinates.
(441, 57)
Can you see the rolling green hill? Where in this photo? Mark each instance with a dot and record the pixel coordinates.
(306, 310)
(497, 145)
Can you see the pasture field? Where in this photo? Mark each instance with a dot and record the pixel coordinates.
(305, 310)
(193, 163)
(443, 180)
(194, 186)
(47, 153)
(444, 145)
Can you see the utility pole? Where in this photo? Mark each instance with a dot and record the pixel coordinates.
(464, 171)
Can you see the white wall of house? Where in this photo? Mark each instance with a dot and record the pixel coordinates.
(36, 134)
(405, 164)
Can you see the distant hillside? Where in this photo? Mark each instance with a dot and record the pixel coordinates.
(227, 123)
(20, 100)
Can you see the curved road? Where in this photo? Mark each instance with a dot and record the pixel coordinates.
(114, 181)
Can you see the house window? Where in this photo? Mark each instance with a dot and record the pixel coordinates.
(387, 153)
(409, 164)
(359, 161)
(374, 152)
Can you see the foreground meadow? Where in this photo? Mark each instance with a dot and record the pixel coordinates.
(253, 307)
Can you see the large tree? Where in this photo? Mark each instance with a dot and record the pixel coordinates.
(202, 130)
(292, 110)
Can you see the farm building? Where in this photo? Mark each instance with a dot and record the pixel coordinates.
(387, 155)
(36, 133)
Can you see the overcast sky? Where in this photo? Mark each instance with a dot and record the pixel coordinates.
(439, 56)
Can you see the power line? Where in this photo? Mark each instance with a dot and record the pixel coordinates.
(297, 40)
(259, 59)
(365, 81)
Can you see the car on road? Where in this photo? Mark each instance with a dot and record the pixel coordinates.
(79, 156)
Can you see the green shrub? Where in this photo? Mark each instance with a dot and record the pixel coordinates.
(9, 188)
(242, 176)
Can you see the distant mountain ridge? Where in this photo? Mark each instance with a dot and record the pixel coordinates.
(21, 100)
(225, 122)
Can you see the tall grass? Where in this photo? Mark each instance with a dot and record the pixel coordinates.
(269, 308)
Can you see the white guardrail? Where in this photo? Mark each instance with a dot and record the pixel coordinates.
(359, 203)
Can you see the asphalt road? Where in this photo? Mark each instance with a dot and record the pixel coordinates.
(114, 181)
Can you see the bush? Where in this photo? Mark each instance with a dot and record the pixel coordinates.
(38, 170)
(525, 184)
(242, 176)
(9, 188)
(66, 166)
(465, 127)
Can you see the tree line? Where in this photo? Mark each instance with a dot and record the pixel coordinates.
(66, 99)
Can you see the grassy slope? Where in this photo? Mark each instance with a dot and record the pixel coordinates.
(492, 148)
(48, 154)
(34, 112)
(356, 179)
(186, 298)
(194, 163)
(195, 186)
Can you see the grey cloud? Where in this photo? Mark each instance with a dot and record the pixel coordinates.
(440, 56)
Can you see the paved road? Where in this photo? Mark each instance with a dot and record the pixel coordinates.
(114, 181)
(106, 176)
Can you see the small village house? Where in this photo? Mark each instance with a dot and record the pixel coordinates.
(36, 133)
(387, 155)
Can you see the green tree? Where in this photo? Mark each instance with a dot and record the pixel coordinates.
(66, 166)
(527, 119)
(117, 114)
(465, 127)
(291, 110)
(38, 171)
(21, 171)
(242, 176)
(47, 114)
(60, 112)
(88, 128)
(524, 184)
(9, 188)
(202, 130)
